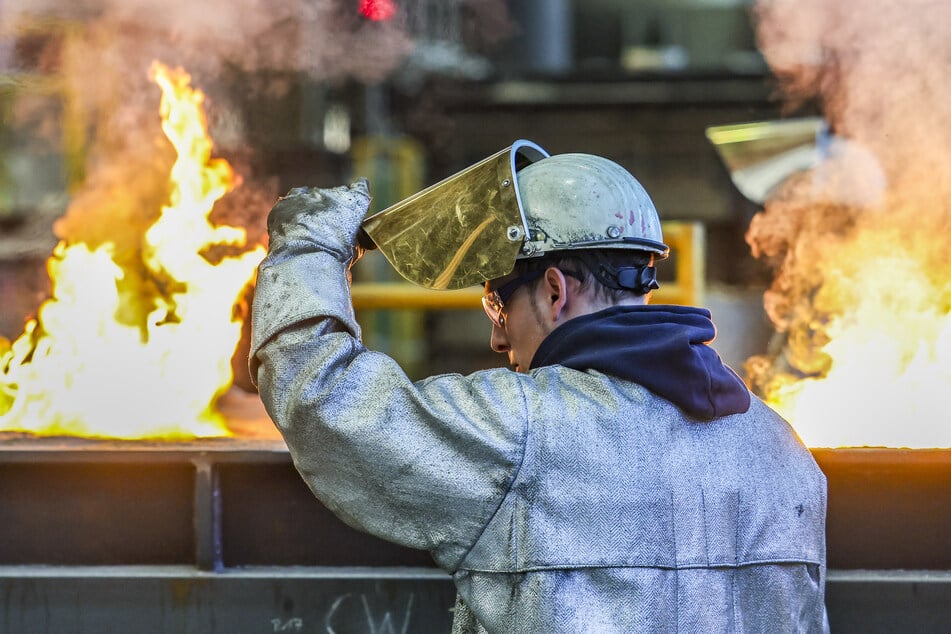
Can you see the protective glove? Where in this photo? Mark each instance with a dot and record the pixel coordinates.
(326, 218)
(306, 275)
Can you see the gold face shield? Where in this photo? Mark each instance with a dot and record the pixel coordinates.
(462, 231)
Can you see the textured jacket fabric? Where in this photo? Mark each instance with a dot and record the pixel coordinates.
(561, 500)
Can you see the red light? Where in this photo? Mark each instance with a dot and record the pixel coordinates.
(377, 9)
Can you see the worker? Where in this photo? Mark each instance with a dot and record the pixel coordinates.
(621, 479)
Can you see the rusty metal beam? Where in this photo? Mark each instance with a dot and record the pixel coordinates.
(212, 504)
(888, 508)
(180, 600)
(222, 533)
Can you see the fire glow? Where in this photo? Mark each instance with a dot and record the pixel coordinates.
(879, 353)
(861, 299)
(79, 369)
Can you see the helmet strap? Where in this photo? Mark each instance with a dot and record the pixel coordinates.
(638, 279)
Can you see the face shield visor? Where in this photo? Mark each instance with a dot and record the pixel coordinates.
(462, 231)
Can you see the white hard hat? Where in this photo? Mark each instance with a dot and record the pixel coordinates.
(517, 203)
(582, 201)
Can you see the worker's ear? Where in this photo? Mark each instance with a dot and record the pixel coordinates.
(556, 293)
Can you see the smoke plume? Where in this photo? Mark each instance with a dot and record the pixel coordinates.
(881, 201)
(101, 51)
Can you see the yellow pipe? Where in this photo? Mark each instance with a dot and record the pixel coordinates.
(375, 295)
(400, 295)
(686, 240)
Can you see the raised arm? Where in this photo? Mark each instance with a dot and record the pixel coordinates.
(422, 464)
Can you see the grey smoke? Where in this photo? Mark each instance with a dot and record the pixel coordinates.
(878, 70)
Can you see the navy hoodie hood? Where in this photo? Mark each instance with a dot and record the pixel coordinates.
(663, 348)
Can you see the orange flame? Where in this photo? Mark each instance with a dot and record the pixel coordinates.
(79, 370)
(883, 360)
(862, 295)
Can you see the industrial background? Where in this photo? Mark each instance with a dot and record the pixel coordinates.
(796, 152)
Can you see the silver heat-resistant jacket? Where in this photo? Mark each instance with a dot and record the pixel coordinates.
(559, 500)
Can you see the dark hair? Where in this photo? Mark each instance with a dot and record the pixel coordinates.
(593, 268)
